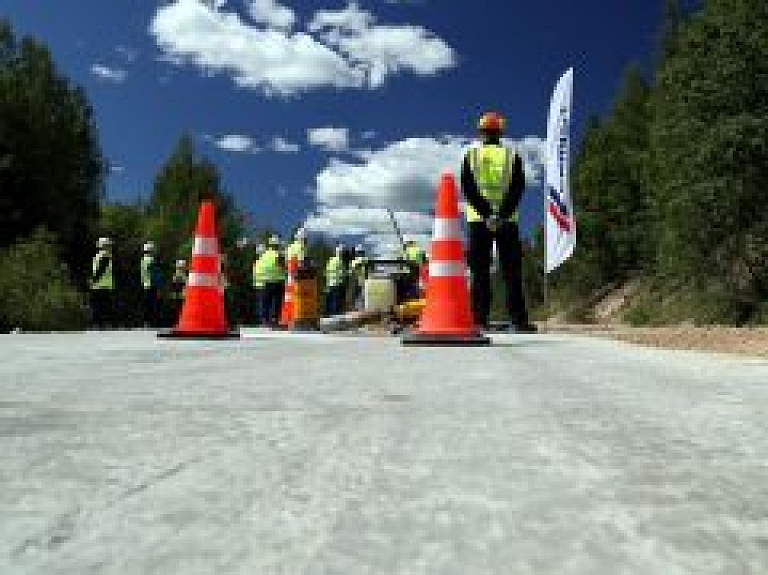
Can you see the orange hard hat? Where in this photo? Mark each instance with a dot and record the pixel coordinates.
(491, 122)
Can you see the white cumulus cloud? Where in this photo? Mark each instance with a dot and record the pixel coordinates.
(370, 226)
(235, 143)
(341, 49)
(189, 32)
(281, 145)
(272, 14)
(351, 18)
(381, 50)
(334, 139)
(115, 75)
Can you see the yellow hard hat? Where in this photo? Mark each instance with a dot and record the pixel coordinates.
(491, 122)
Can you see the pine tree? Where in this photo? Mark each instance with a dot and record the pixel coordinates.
(709, 138)
(51, 167)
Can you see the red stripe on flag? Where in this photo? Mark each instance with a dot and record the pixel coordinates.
(562, 222)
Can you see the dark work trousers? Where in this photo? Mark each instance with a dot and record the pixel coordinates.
(245, 309)
(334, 299)
(176, 303)
(258, 305)
(273, 302)
(151, 307)
(510, 259)
(103, 308)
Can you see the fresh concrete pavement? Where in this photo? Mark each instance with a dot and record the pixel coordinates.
(345, 454)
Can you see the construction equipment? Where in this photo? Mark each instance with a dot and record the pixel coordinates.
(351, 320)
(397, 229)
(306, 300)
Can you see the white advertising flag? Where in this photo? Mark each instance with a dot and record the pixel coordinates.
(560, 226)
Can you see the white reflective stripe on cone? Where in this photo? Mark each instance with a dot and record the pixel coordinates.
(446, 269)
(205, 247)
(203, 280)
(446, 229)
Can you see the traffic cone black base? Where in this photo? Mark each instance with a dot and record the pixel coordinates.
(174, 334)
(445, 340)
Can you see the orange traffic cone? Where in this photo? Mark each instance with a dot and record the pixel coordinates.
(288, 311)
(203, 314)
(447, 317)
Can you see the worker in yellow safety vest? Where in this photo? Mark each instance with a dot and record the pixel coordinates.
(272, 271)
(102, 285)
(493, 180)
(415, 256)
(150, 283)
(335, 275)
(298, 248)
(259, 283)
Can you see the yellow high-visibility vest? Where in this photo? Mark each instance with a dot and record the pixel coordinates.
(271, 270)
(491, 167)
(334, 272)
(107, 280)
(296, 250)
(258, 273)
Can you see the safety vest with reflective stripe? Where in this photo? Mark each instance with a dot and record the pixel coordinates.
(148, 273)
(296, 250)
(491, 167)
(106, 281)
(271, 269)
(258, 273)
(415, 254)
(334, 272)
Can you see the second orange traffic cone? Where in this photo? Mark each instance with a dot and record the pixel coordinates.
(447, 317)
(288, 310)
(203, 315)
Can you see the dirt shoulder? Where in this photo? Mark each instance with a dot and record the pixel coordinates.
(743, 341)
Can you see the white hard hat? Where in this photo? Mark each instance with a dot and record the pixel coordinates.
(149, 247)
(359, 248)
(104, 242)
(339, 250)
(180, 263)
(301, 234)
(260, 248)
(274, 240)
(243, 242)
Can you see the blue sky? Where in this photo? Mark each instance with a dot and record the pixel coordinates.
(314, 109)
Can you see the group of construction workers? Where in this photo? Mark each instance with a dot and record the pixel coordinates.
(492, 182)
(344, 278)
(103, 286)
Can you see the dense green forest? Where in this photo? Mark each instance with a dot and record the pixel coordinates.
(670, 188)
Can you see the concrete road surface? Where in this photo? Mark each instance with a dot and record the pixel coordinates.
(288, 454)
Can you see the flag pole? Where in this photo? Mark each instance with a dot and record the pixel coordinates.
(544, 265)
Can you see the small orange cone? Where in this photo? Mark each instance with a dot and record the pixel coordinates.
(288, 311)
(203, 314)
(447, 317)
